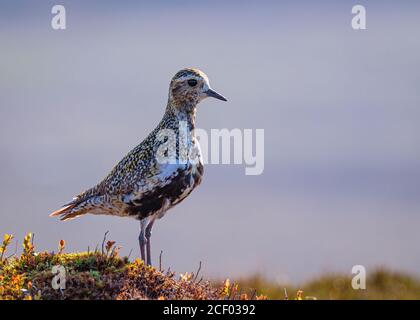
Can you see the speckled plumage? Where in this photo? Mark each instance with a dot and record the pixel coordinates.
(143, 186)
(140, 186)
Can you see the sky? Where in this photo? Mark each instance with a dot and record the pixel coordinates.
(339, 109)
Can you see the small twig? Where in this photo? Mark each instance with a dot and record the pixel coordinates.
(198, 271)
(129, 254)
(160, 261)
(32, 240)
(169, 273)
(286, 297)
(16, 247)
(103, 243)
(253, 294)
(231, 291)
(13, 254)
(112, 251)
(239, 293)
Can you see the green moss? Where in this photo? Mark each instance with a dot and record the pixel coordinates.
(92, 275)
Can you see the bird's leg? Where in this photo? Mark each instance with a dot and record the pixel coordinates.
(148, 236)
(142, 239)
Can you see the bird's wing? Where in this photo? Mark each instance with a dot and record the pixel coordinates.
(123, 179)
(116, 197)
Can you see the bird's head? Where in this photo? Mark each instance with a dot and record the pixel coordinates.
(190, 86)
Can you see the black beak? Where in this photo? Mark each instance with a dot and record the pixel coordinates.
(214, 94)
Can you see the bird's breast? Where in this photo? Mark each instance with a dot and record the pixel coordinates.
(171, 184)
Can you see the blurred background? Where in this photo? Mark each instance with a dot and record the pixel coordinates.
(340, 110)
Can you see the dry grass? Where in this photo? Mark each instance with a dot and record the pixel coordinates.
(381, 284)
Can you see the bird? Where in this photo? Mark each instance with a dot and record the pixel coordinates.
(158, 173)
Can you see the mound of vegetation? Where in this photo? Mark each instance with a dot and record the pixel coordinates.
(101, 274)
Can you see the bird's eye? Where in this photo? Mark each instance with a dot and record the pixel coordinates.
(192, 82)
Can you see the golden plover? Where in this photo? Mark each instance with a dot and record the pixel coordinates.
(148, 181)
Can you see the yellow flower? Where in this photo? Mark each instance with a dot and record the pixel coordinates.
(299, 295)
(6, 239)
(186, 276)
(27, 245)
(226, 288)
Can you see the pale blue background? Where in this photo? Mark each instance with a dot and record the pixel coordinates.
(340, 109)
